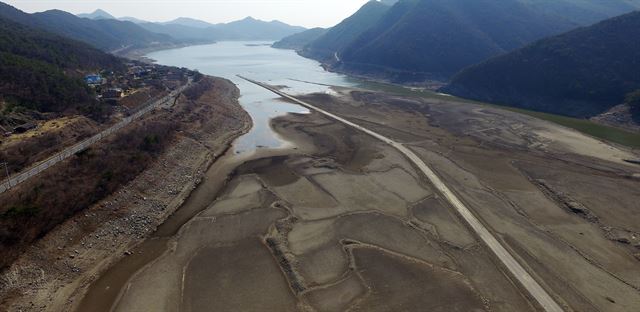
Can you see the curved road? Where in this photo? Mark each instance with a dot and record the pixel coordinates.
(78, 147)
(534, 289)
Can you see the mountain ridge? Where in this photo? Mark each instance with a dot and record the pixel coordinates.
(581, 73)
(245, 29)
(105, 34)
(453, 34)
(335, 39)
(300, 40)
(41, 71)
(97, 14)
(193, 30)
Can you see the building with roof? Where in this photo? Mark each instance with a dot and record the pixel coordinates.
(94, 80)
(112, 93)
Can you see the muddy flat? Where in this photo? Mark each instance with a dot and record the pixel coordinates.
(346, 223)
(215, 275)
(401, 284)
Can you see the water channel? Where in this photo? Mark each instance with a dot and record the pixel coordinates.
(256, 60)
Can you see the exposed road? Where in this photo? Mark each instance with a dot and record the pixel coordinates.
(78, 147)
(534, 289)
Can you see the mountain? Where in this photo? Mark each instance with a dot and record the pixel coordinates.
(418, 40)
(585, 12)
(189, 22)
(132, 19)
(337, 38)
(580, 73)
(101, 14)
(458, 33)
(96, 15)
(191, 30)
(253, 29)
(41, 71)
(300, 40)
(105, 34)
(181, 32)
(246, 29)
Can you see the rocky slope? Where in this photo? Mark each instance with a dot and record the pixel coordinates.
(55, 272)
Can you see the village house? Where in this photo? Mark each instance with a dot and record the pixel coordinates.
(94, 80)
(112, 93)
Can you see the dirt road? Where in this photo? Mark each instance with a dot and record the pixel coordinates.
(515, 268)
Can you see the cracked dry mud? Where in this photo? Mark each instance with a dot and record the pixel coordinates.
(345, 223)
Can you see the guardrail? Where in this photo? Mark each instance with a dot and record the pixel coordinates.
(83, 145)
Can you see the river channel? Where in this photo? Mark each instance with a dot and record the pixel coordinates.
(256, 60)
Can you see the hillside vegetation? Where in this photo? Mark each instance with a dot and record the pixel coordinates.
(190, 30)
(300, 40)
(105, 34)
(581, 73)
(419, 40)
(42, 72)
(336, 39)
(246, 29)
(455, 34)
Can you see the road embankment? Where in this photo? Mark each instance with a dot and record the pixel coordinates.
(518, 272)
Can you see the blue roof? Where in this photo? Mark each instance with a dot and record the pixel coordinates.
(93, 79)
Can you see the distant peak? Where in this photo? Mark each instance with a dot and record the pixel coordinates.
(98, 14)
(188, 21)
(388, 2)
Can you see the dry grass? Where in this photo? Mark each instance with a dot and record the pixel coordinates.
(23, 150)
(37, 206)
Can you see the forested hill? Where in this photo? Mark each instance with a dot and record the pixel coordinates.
(105, 34)
(42, 72)
(191, 30)
(336, 39)
(50, 48)
(581, 73)
(300, 40)
(417, 40)
(440, 37)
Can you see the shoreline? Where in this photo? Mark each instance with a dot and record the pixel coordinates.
(162, 245)
(73, 257)
(621, 129)
(152, 243)
(140, 54)
(418, 90)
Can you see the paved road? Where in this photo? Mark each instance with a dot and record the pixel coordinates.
(526, 280)
(78, 147)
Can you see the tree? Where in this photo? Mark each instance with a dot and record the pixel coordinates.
(633, 100)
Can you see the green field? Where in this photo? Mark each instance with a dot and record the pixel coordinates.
(611, 134)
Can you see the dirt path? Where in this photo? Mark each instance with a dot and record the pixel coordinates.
(517, 271)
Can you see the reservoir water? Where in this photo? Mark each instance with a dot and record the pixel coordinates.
(258, 61)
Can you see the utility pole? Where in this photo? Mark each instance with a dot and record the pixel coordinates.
(6, 170)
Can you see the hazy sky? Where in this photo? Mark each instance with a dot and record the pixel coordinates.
(308, 13)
